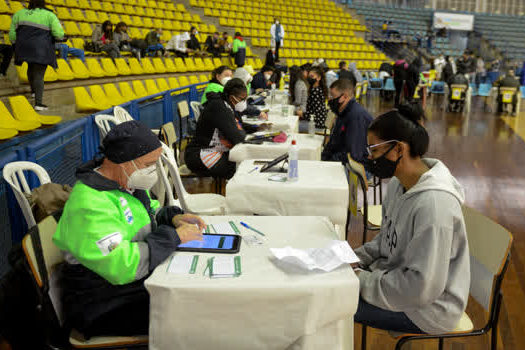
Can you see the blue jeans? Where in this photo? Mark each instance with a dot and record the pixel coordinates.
(65, 50)
(375, 317)
(152, 49)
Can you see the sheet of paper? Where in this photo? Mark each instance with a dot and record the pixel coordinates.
(183, 264)
(326, 259)
(223, 265)
(226, 228)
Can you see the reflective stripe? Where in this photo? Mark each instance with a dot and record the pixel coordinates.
(33, 24)
(143, 268)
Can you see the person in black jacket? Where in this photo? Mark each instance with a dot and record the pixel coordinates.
(217, 132)
(508, 81)
(400, 76)
(448, 72)
(212, 44)
(261, 80)
(350, 129)
(344, 73)
(7, 53)
(412, 80)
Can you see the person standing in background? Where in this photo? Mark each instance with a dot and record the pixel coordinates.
(277, 33)
(33, 32)
(7, 53)
(239, 50)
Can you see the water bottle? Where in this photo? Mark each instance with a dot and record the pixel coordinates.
(293, 162)
(311, 125)
(272, 94)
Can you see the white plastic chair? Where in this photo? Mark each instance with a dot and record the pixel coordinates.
(104, 123)
(121, 114)
(202, 203)
(196, 107)
(14, 175)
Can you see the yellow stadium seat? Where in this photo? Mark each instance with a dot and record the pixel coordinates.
(126, 91)
(151, 87)
(5, 22)
(183, 81)
(63, 70)
(147, 66)
(113, 94)
(170, 66)
(203, 78)
(23, 111)
(91, 16)
(208, 64)
(71, 28)
(258, 63)
(135, 67)
(63, 13)
(148, 23)
(217, 62)
(109, 67)
(4, 8)
(122, 67)
(162, 84)
(16, 6)
(100, 97)
(94, 68)
(107, 7)
(113, 17)
(85, 29)
(139, 89)
(79, 69)
(199, 64)
(8, 122)
(181, 66)
(84, 102)
(190, 65)
(226, 61)
(96, 5)
(194, 79)
(6, 134)
(173, 83)
(102, 16)
(158, 65)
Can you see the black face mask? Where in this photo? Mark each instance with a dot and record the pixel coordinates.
(334, 104)
(382, 167)
(312, 81)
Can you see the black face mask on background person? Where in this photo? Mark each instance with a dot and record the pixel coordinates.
(382, 167)
(334, 104)
(312, 81)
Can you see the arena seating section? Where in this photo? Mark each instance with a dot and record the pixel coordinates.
(313, 29)
(505, 32)
(408, 21)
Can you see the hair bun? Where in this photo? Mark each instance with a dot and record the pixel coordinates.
(413, 112)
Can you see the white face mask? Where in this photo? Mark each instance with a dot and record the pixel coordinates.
(142, 179)
(241, 106)
(267, 76)
(276, 22)
(224, 80)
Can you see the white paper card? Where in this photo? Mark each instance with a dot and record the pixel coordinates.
(327, 259)
(224, 228)
(180, 264)
(223, 266)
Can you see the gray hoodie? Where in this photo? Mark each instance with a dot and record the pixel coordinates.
(419, 262)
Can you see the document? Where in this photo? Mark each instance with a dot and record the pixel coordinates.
(183, 264)
(326, 259)
(225, 228)
(224, 266)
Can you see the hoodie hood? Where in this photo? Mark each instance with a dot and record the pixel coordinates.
(357, 75)
(88, 176)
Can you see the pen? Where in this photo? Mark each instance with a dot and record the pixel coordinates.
(251, 228)
(251, 171)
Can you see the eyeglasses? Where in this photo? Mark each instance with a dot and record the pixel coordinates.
(369, 148)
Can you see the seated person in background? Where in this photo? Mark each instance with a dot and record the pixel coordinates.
(194, 44)
(212, 44)
(7, 52)
(317, 95)
(154, 43)
(350, 129)
(344, 73)
(217, 132)
(509, 80)
(102, 38)
(252, 111)
(224, 44)
(64, 50)
(298, 89)
(113, 235)
(219, 77)
(416, 275)
(178, 45)
(125, 43)
(261, 81)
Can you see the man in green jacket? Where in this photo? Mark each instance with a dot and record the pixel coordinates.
(113, 235)
(239, 49)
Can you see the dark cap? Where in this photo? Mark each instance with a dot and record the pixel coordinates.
(128, 141)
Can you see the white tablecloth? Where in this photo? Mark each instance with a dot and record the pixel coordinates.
(266, 307)
(310, 147)
(288, 124)
(322, 189)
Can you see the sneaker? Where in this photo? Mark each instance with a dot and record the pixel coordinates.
(41, 108)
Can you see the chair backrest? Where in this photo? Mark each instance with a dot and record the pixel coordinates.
(162, 166)
(104, 123)
(489, 246)
(121, 114)
(196, 107)
(14, 175)
(183, 108)
(169, 159)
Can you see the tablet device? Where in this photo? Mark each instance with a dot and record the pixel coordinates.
(213, 243)
(274, 162)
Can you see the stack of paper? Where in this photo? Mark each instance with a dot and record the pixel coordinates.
(327, 259)
(225, 228)
(224, 266)
(182, 264)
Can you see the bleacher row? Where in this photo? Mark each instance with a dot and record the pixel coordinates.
(505, 32)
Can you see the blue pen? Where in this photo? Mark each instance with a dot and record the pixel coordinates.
(251, 171)
(251, 228)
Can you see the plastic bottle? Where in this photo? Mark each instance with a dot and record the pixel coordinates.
(293, 162)
(273, 95)
(311, 125)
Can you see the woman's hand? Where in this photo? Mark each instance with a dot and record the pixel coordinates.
(263, 116)
(179, 220)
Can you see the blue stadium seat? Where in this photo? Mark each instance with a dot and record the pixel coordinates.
(484, 90)
(389, 86)
(438, 87)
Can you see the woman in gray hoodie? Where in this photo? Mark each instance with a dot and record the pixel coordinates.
(416, 272)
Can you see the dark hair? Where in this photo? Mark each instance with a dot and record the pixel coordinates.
(403, 124)
(224, 33)
(119, 26)
(267, 69)
(37, 4)
(238, 34)
(342, 64)
(296, 74)
(344, 84)
(307, 67)
(219, 70)
(109, 33)
(322, 83)
(216, 33)
(191, 29)
(234, 87)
